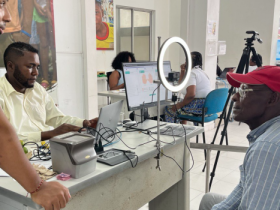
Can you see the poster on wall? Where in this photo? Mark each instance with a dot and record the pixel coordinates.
(33, 23)
(104, 17)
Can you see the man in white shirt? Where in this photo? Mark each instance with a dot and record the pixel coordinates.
(27, 105)
(253, 62)
(50, 195)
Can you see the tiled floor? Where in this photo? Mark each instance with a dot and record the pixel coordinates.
(227, 172)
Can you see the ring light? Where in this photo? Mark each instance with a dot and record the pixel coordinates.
(161, 54)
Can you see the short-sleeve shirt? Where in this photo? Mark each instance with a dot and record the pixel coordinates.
(202, 82)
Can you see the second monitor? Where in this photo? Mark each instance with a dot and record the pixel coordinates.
(140, 87)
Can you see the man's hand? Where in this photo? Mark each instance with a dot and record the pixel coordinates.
(177, 106)
(64, 128)
(90, 123)
(52, 196)
(174, 108)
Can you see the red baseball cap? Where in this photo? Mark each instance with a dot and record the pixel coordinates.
(266, 75)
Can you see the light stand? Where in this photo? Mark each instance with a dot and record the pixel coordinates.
(244, 63)
(166, 84)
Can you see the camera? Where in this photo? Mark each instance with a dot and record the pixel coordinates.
(173, 76)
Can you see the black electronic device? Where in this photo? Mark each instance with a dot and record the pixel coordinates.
(140, 87)
(115, 156)
(225, 71)
(173, 76)
(141, 90)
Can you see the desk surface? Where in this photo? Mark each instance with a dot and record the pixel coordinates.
(113, 93)
(11, 189)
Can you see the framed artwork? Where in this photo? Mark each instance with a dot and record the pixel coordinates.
(33, 22)
(104, 17)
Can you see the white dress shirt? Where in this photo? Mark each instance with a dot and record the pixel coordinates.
(32, 112)
(252, 68)
(202, 82)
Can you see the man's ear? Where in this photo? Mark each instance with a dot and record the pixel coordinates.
(274, 99)
(10, 66)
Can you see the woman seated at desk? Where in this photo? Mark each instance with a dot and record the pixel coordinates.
(116, 78)
(194, 93)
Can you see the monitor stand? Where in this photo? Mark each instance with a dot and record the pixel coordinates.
(145, 123)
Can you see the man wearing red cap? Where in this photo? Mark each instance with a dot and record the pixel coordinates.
(257, 103)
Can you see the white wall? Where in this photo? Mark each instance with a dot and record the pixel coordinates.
(239, 16)
(78, 60)
(198, 14)
(70, 64)
(175, 30)
(77, 57)
(161, 7)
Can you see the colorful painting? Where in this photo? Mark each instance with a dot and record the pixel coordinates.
(33, 22)
(104, 17)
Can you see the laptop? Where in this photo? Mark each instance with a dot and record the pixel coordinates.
(225, 71)
(107, 121)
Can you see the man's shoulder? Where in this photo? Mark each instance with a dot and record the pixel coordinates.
(271, 137)
(39, 88)
(2, 81)
(4, 85)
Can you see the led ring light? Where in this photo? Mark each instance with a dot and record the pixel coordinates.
(161, 54)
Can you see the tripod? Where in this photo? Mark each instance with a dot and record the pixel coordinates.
(244, 63)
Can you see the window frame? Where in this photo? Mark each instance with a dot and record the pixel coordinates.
(133, 9)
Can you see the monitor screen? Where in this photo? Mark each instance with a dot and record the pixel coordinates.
(140, 90)
(278, 51)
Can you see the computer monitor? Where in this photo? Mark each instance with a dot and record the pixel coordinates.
(139, 86)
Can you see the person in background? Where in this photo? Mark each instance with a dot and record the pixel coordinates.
(256, 103)
(50, 195)
(218, 70)
(26, 104)
(194, 93)
(253, 63)
(116, 78)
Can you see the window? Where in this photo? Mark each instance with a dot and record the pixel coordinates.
(134, 32)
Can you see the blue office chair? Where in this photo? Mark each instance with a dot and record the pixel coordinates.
(214, 103)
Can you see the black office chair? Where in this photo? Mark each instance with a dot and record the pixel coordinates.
(108, 86)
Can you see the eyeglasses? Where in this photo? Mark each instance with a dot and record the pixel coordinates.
(242, 90)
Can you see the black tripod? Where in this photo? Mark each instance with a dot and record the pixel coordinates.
(244, 63)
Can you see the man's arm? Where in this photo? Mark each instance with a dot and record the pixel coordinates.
(261, 189)
(232, 201)
(262, 177)
(113, 81)
(51, 195)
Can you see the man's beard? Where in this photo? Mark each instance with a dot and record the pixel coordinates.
(21, 79)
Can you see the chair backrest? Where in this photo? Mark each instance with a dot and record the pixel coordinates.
(108, 75)
(216, 100)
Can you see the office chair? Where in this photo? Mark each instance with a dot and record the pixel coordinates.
(214, 103)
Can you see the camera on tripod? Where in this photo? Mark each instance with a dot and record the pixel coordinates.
(254, 37)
